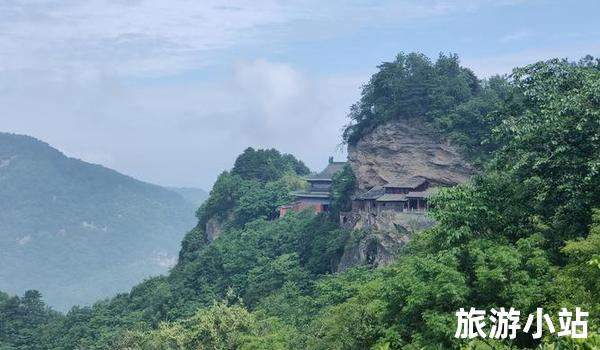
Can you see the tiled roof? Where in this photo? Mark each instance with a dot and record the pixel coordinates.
(328, 172)
(412, 182)
(373, 193)
(392, 197)
(311, 194)
(422, 194)
(378, 193)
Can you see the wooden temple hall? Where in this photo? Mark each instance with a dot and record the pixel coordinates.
(318, 195)
(409, 195)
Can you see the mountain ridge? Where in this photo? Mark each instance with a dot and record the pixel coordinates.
(121, 228)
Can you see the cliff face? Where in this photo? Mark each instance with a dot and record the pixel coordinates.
(216, 225)
(394, 152)
(398, 150)
(384, 237)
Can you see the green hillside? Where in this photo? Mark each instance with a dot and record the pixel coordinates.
(78, 232)
(524, 233)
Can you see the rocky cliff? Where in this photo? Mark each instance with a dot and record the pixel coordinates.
(390, 153)
(397, 150)
(216, 225)
(383, 237)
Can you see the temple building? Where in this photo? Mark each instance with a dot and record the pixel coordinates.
(409, 195)
(318, 195)
(406, 196)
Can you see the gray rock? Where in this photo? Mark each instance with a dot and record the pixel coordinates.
(216, 225)
(376, 249)
(394, 152)
(397, 150)
(384, 236)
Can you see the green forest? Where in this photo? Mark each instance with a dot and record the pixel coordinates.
(523, 233)
(84, 232)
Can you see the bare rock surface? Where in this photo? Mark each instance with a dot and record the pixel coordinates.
(394, 152)
(216, 225)
(385, 236)
(397, 150)
(375, 248)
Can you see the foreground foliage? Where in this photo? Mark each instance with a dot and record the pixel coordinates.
(525, 234)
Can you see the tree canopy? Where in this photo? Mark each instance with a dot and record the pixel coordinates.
(525, 233)
(442, 95)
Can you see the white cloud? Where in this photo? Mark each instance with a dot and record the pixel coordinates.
(66, 69)
(164, 260)
(6, 162)
(93, 227)
(23, 240)
(185, 133)
(165, 37)
(517, 36)
(125, 36)
(279, 99)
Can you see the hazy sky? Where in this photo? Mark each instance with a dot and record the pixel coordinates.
(170, 91)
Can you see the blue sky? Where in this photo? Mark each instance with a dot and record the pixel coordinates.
(171, 91)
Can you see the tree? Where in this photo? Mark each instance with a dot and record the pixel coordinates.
(343, 186)
(219, 327)
(266, 165)
(554, 143)
(446, 98)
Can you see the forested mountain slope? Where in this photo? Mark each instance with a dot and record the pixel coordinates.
(524, 233)
(78, 232)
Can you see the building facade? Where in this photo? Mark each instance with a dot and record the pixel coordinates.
(403, 196)
(318, 196)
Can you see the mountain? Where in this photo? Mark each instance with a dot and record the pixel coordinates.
(78, 232)
(196, 196)
(525, 231)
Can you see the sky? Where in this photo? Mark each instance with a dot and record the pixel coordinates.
(171, 91)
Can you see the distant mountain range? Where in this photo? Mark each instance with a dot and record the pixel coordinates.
(196, 196)
(79, 232)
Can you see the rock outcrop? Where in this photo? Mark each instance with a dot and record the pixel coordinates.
(217, 225)
(214, 228)
(398, 150)
(374, 248)
(394, 152)
(390, 221)
(384, 237)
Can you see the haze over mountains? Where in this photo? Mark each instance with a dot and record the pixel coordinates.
(79, 232)
(193, 195)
